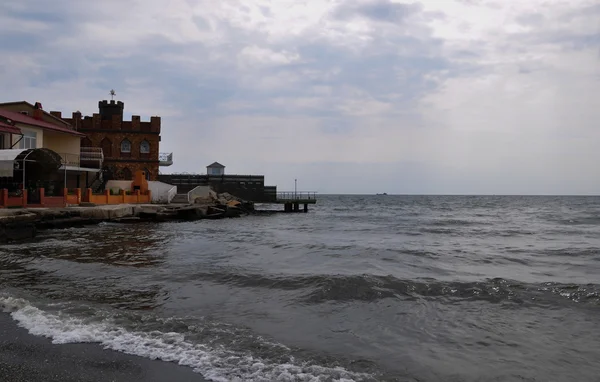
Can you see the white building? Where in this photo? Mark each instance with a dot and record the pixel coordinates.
(215, 169)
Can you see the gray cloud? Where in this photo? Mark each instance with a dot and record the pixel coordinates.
(422, 97)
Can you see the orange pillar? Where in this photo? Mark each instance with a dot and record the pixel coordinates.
(24, 199)
(107, 194)
(137, 195)
(42, 197)
(78, 193)
(4, 200)
(88, 195)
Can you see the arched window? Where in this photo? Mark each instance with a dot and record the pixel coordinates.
(126, 174)
(106, 145)
(125, 146)
(86, 142)
(145, 147)
(147, 173)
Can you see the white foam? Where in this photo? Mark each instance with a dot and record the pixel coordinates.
(217, 364)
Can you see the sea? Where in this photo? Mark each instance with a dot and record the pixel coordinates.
(360, 288)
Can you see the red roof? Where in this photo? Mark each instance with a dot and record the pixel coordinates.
(6, 128)
(22, 118)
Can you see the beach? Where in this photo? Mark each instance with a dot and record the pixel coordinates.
(28, 358)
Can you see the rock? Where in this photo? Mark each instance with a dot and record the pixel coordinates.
(204, 200)
(191, 212)
(20, 217)
(107, 212)
(233, 212)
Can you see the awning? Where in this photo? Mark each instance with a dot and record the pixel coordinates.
(45, 161)
(7, 161)
(6, 128)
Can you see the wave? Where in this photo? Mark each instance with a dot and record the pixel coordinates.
(216, 362)
(339, 288)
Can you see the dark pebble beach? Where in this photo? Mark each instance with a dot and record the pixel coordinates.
(27, 358)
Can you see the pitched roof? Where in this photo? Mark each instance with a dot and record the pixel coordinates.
(22, 118)
(33, 107)
(216, 165)
(7, 128)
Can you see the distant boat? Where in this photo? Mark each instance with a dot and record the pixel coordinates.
(385, 193)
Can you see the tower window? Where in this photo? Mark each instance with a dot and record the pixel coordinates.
(145, 147)
(125, 146)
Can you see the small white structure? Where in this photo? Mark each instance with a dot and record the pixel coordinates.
(215, 169)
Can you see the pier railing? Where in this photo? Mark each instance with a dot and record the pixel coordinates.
(297, 195)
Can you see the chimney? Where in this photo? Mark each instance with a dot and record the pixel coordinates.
(76, 119)
(38, 112)
(56, 114)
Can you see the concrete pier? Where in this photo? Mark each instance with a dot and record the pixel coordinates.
(292, 200)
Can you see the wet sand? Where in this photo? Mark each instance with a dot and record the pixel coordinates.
(24, 357)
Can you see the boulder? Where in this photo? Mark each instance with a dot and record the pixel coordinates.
(191, 212)
(108, 212)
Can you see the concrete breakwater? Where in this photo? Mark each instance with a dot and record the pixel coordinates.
(22, 224)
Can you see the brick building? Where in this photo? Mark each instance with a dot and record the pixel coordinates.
(127, 146)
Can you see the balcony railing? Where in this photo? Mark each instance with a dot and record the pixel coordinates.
(165, 159)
(297, 195)
(89, 157)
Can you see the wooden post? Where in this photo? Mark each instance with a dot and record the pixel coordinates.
(107, 194)
(88, 195)
(24, 199)
(305, 207)
(42, 197)
(122, 196)
(137, 194)
(78, 193)
(4, 200)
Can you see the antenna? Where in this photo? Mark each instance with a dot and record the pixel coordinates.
(112, 94)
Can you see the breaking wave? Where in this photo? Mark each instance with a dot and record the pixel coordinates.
(214, 361)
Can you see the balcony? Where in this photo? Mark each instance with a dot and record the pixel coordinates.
(165, 159)
(89, 157)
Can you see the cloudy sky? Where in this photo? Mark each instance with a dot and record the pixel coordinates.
(347, 96)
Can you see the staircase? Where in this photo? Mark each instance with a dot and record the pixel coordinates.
(98, 183)
(180, 199)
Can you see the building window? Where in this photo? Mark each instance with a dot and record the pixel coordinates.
(145, 147)
(2, 142)
(126, 174)
(126, 146)
(28, 141)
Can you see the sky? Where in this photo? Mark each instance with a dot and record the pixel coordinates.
(346, 96)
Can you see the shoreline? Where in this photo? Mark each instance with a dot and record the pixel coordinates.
(17, 225)
(25, 357)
